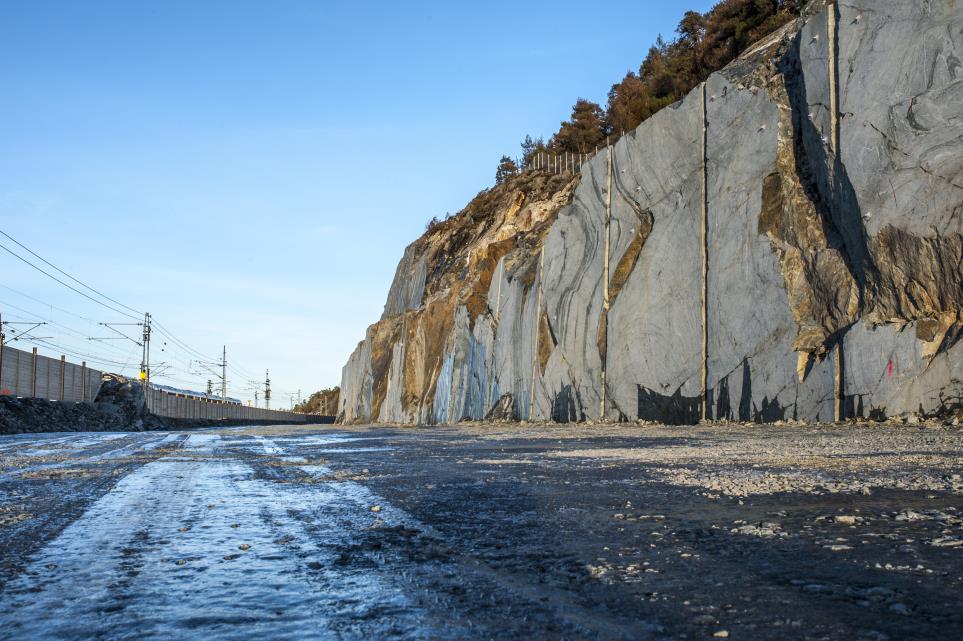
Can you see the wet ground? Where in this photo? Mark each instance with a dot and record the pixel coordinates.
(483, 533)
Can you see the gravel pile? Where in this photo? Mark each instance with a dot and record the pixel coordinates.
(22, 415)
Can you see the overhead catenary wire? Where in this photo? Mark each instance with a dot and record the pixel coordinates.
(81, 352)
(172, 372)
(46, 304)
(51, 276)
(122, 366)
(58, 346)
(50, 321)
(240, 371)
(98, 297)
(76, 280)
(77, 354)
(170, 336)
(234, 367)
(194, 354)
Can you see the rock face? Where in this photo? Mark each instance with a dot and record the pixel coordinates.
(785, 242)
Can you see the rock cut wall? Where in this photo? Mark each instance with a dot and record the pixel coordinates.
(785, 242)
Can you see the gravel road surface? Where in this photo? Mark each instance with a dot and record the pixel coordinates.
(484, 532)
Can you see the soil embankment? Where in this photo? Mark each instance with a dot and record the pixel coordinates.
(119, 407)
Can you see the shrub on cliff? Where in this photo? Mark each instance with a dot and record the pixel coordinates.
(705, 43)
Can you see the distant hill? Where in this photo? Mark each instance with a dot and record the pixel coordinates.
(323, 402)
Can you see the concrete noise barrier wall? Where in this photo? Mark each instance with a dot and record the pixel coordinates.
(28, 374)
(171, 405)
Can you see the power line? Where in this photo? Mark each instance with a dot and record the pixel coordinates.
(93, 358)
(35, 315)
(46, 304)
(80, 282)
(177, 343)
(166, 332)
(87, 296)
(52, 322)
(75, 353)
(239, 372)
(71, 350)
(237, 369)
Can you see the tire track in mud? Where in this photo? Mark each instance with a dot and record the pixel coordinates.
(48, 480)
(229, 537)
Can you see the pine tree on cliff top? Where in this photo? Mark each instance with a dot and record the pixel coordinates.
(506, 169)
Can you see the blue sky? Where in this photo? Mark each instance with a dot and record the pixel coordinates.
(250, 172)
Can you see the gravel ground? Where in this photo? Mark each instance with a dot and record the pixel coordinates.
(503, 532)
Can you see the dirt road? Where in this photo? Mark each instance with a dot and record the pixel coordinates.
(759, 532)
